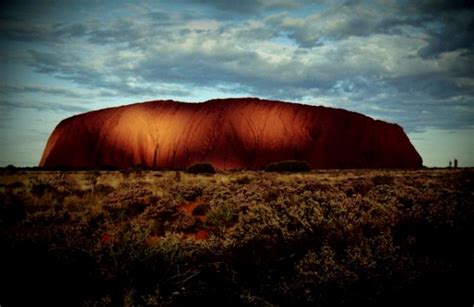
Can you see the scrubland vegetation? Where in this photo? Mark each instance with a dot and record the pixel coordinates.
(319, 238)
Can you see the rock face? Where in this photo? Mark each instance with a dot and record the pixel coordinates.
(229, 133)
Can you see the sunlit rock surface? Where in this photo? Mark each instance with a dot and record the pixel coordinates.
(229, 133)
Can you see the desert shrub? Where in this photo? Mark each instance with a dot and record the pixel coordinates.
(269, 195)
(103, 189)
(122, 204)
(201, 168)
(288, 166)
(382, 179)
(177, 176)
(40, 188)
(15, 185)
(222, 216)
(361, 186)
(191, 193)
(124, 211)
(243, 180)
(92, 178)
(201, 209)
(126, 173)
(286, 219)
(349, 192)
(12, 209)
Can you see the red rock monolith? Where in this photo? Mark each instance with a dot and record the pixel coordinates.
(234, 133)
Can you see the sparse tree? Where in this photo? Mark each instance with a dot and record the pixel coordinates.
(201, 168)
(92, 178)
(288, 166)
(177, 176)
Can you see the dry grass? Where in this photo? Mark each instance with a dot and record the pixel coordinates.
(323, 238)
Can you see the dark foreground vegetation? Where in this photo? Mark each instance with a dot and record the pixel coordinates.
(320, 238)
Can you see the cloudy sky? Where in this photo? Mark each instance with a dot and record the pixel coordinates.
(409, 62)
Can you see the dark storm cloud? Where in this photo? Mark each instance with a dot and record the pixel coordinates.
(119, 31)
(449, 24)
(67, 66)
(10, 89)
(22, 30)
(43, 106)
(46, 90)
(247, 6)
(350, 18)
(455, 25)
(444, 5)
(456, 34)
(234, 6)
(70, 67)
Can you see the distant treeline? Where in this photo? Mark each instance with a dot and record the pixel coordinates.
(201, 167)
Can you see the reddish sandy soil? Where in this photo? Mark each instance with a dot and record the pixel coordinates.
(187, 209)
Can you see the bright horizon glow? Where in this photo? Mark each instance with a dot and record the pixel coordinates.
(456, 145)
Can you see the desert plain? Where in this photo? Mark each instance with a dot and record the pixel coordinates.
(236, 238)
